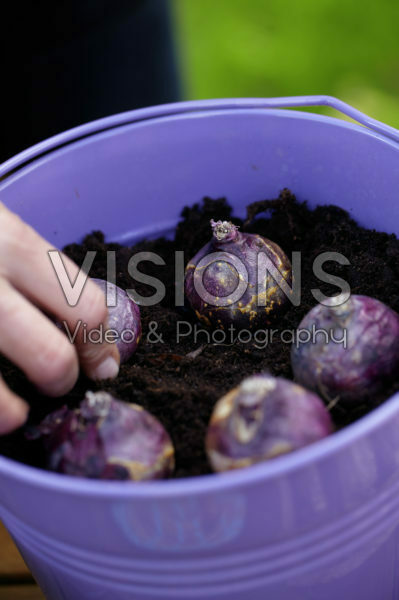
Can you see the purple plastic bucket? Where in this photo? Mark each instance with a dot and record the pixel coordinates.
(319, 523)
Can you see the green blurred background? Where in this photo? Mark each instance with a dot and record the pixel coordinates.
(345, 48)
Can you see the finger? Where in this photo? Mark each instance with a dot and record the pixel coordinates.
(35, 344)
(13, 410)
(25, 262)
(100, 360)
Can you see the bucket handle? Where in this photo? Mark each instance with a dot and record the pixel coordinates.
(340, 106)
(284, 102)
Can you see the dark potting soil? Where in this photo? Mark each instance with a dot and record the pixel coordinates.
(179, 381)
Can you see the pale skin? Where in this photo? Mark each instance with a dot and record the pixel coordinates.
(28, 338)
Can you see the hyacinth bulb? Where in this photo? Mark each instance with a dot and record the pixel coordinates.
(264, 417)
(237, 279)
(123, 318)
(353, 353)
(106, 438)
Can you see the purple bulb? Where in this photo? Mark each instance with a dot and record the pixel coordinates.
(354, 351)
(236, 279)
(106, 439)
(262, 418)
(124, 318)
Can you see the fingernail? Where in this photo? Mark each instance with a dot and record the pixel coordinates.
(108, 369)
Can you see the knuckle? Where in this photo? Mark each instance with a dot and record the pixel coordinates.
(10, 311)
(10, 222)
(3, 210)
(14, 233)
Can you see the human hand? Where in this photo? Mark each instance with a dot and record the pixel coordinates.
(28, 338)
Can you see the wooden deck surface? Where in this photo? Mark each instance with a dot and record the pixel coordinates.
(16, 582)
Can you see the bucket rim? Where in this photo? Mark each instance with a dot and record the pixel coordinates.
(368, 124)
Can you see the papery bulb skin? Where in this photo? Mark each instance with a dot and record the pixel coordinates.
(106, 438)
(228, 283)
(354, 352)
(264, 417)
